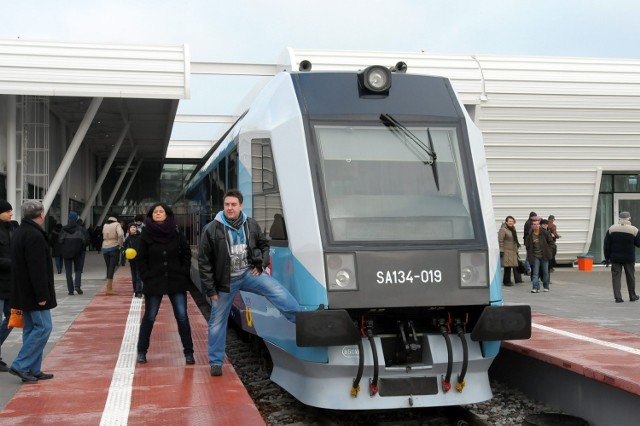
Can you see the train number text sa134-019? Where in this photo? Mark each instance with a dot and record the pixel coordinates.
(426, 276)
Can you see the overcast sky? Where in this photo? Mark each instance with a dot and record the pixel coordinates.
(257, 31)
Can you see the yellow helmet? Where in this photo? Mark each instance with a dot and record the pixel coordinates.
(130, 253)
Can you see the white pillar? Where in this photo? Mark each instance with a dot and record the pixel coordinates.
(12, 168)
(133, 176)
(54, 186)
(92, 198)
(117, 186)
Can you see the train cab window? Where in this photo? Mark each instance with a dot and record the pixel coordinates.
(380, 186)
(267, 205)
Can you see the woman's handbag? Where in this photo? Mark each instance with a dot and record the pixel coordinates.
(16, 319)
(520, 266)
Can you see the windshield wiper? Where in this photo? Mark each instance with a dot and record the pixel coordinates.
(406, 135)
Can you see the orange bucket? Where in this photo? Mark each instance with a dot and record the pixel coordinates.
(585, 263)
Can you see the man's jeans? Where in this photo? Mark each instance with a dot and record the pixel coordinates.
(537, 265)
(5, 311)
(74, 264)
(261, 284)
(151, 307)
(35, 334)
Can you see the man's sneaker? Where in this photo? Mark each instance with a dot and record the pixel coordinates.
(535, 291)
(545, 290)
(216, 370)
(3, 367)
(79, 291)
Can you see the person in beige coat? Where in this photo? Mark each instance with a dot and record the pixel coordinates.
(509, 245)
(112, 239)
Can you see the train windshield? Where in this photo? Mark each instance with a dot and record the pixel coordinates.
(383, 186)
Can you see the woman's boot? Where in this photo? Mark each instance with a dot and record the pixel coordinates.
(109, 291)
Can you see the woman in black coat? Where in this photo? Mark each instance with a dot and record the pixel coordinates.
(164, 261)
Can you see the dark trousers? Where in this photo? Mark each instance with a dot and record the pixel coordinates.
(74, 264)
(135, 277)
(151, 308)
(111, 260)
(616, 278)
(506, 277)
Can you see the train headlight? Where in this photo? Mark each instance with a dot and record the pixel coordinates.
(341, 272)
(474, 271)
(376, 79)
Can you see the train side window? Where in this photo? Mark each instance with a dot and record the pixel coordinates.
(267, 204)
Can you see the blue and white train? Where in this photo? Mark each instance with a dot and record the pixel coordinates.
(374, 190)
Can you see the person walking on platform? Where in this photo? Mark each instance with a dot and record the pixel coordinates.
(540, 248)
(33, 291)
(164, 262)
(509, 245)
(525, 231)
(112, 239)
(619, 250)
(73, 240)
(232, 255)
(133, 242)
(7, 227)
(56, 248)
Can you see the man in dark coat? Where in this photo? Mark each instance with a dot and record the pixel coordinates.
(7, 226)
(33, 291)
(620, 244)
(73, 240)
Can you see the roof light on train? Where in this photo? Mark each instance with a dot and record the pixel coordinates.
(376, 78)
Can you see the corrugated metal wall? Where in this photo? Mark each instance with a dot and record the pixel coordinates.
(549, 125)
(102, 70)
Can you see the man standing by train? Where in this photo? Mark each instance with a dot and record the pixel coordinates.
(232, 255)
(620, 244)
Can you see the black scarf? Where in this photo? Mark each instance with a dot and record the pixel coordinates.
(161, 232)
(235, 224)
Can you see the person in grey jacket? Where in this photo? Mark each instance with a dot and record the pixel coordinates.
(232, 256)
(73, 240)
(620, 244)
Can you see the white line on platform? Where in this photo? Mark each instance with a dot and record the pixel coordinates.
(116, 410)
(588, 339)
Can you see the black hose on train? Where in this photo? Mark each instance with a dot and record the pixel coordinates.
(444, 330)
(355, 389)
(465, 356)
(373, 383)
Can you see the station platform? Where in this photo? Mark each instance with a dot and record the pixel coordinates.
(92, 354)
(584, 351)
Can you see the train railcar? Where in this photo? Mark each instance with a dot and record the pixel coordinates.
(373, 188)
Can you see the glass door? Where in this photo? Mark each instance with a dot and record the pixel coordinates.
(628, 203)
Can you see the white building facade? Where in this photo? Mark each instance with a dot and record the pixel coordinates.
(562, 135)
